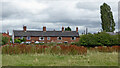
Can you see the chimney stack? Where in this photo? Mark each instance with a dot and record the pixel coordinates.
(24, 28)
(44, 28)
(76, 29)
(62, 29)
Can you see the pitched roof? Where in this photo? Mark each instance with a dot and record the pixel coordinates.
(47, 33)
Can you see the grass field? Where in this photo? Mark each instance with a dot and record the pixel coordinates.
(91, 59)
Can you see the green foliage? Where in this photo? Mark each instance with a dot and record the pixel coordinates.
(68, 29)
(0, 39)
(20, 40)
(23, 40)
(108, 23)
(99, 39)
(17, 41)
(74, 43)
(94, 58)
(5, 40)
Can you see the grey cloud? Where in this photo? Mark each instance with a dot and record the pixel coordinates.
(60, 16)
(88, 5)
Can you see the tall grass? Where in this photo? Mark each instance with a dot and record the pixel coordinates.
(58, 49)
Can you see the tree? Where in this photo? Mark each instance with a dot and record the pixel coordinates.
(108, 23)
(5, 40)
(68, 29)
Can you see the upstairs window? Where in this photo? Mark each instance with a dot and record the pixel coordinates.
(59, 38)
(28, 38)
(73, 38)
(41, 38)
(48, 38)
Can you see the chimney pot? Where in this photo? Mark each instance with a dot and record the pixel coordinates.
(24, 28)
(76, 29)
(44, 28)
(62, 29)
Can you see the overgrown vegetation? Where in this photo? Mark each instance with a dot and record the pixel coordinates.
(20, 40)
(58, 49)
(5, 40)
(99, 39)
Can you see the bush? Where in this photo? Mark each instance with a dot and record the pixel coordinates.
(5, 40)
(20, 40)
(17, 41)
(100, 39)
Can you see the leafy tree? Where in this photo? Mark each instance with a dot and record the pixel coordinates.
(5, 40)
(68, 29)
(108, 23)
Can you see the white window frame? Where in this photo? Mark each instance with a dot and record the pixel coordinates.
(48, 37)
(40, 38)
(58, 38)
(29, 38)
(74, 38)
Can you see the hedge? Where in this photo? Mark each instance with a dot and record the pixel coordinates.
(99, 39)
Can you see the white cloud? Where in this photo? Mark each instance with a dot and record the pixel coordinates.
(54, 14)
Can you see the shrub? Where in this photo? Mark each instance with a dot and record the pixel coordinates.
(17, 41)
(100, 39)
(5, 40)
(20, 40)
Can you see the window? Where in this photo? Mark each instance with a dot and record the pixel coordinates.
(59, 38)
(28, 38)
(41, 38)
(48, 38)
(73, 38)
(65, 42)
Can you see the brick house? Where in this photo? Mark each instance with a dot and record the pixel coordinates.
(47, 36)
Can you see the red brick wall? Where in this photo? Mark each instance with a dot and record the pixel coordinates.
(52, 39)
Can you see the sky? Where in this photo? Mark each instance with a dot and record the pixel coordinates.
(54, 14)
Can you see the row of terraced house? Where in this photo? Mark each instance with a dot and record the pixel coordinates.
(45, 36)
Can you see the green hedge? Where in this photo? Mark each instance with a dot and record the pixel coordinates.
(99, 39)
